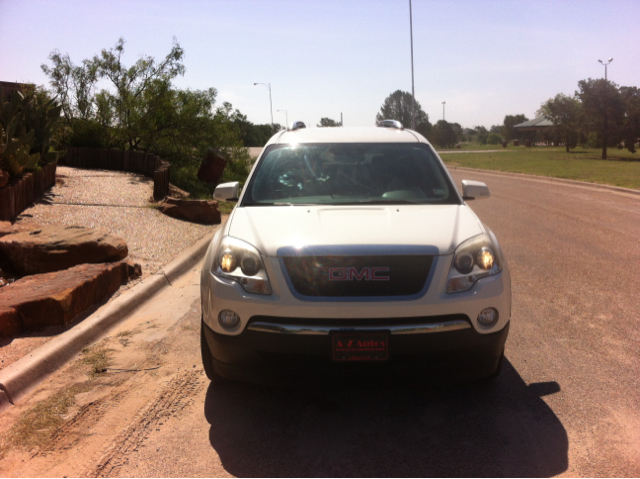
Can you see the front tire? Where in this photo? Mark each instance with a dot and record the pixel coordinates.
(492, 377)
(207, 358)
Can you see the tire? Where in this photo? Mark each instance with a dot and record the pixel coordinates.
(496, 373)
(207, 358)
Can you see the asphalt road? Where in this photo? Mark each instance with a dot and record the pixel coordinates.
(567, 402)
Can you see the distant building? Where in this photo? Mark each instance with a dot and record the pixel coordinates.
(537, 124)
(541, 124)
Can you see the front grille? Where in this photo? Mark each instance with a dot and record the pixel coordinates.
(358, 276)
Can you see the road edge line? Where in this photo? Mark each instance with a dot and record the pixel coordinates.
(24, 374)
(550, 179)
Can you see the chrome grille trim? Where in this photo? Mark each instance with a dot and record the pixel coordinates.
(319, 330)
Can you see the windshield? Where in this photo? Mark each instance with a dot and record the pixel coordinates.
(343, 173)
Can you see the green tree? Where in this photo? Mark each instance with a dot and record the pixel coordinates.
(458, 131)
(398, 105)
(443, 134)
(603, 110)
(631, 125)
(508, 131)
(138, 108)
(566, 114)
(482, 134)
(493, 138)
(328, 122)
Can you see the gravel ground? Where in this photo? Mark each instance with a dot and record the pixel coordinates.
(120, 203)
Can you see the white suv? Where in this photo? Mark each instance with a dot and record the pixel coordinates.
(351, 252)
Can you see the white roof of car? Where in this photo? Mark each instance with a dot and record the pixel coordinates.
(347, 135)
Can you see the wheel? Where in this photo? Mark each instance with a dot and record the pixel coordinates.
(496, 373)
(207, 358)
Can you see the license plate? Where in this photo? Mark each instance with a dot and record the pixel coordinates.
(354, 346)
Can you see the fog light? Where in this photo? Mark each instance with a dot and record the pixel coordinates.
(488, 316)
(228, 319)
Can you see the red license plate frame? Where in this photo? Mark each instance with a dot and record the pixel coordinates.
(361, 346)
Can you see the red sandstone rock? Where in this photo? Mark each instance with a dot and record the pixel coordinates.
(195, 211)
(55, 299)
(4, 178)
(212, 167)
(59, 247)
(9, 324)
(6, 228)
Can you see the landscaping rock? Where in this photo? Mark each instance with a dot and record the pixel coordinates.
(196, 211)
(55, 299)
(56, 248)
(6, 228)
(177, 192)
(212, 167)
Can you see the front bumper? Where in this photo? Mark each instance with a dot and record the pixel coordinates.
(293, 350)
(224, 294)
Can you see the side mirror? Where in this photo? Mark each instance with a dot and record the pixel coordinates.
(474, 190)
(227, 191)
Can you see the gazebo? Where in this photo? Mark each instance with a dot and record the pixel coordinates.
(542, 123)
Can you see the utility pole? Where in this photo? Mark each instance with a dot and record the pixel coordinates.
(268, 85)
(286, 115)
(605, 66)
(413, 91)
(605, 129)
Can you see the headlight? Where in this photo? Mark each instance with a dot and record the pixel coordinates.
(473, 259)
(241, 262)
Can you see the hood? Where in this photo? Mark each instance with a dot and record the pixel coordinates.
(270, 228)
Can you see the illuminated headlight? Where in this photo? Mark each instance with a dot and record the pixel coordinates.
(241, 262)
(473, 259)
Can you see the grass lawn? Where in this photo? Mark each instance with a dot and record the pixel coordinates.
(622, 168)
(477, 146)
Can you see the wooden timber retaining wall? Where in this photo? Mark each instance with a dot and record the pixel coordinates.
(24, 190)
(147, 164)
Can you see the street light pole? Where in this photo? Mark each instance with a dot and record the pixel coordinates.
(605, 66)
(268, 85)
(286, 116)
(605, 135)
(413, 92)
(443, 104)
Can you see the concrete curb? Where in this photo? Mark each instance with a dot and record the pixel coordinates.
(20, 377)
(550, 179)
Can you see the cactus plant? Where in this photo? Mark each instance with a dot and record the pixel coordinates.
(27, 124)
(15, 156)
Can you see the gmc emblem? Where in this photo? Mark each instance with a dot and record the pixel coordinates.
(366, 273)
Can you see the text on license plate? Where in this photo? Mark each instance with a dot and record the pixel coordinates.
(360, 346)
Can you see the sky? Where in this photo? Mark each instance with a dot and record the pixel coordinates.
(485, 59)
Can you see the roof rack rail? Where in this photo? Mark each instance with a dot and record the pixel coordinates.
(297, 125)
(390, 124)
